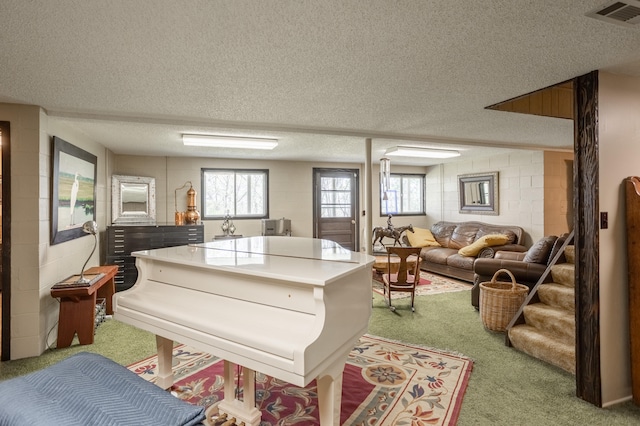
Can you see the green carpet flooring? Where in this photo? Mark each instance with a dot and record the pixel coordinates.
(506, 387)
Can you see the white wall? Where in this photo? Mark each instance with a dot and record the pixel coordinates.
(26, 295)
(520, 188)
(35, 264)
(619, 139)
(290, 190)
(61, 260)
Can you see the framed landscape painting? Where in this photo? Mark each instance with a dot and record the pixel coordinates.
(73, 198)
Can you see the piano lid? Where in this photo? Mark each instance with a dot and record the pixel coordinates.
(288, 258)
(293, 247)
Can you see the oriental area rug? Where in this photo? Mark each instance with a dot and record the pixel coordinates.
(384, 383)
(429, 284)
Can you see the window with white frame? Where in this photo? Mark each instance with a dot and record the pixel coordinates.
(405, 195)
(242, 194)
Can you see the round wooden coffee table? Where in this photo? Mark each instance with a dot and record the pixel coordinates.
(381, 262)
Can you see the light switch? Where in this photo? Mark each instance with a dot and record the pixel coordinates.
(604, 220)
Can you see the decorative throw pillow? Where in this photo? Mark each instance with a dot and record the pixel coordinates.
(421, 237)
(513, 239)
(539, 252)
(482, 242)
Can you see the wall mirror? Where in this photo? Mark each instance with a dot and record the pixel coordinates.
(478, 193)
(133, 199)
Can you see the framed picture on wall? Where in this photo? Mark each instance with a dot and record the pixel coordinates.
(73, 195)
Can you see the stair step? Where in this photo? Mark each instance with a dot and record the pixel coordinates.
(570, 254)
(558, 295)
(542, 345)
(559, 323)
(564, 273)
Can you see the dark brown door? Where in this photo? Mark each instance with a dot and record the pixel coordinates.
(335, 195)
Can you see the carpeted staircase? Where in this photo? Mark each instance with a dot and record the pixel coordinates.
(549, 331)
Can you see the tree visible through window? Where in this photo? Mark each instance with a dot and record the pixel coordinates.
(238, 193)
(405, 195)
(335, 197)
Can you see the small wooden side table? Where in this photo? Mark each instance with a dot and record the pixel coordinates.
(78, 306)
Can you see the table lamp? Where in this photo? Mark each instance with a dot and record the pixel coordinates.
(90, 227)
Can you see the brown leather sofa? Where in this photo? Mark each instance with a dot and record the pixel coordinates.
(527, 267)
(452, 236)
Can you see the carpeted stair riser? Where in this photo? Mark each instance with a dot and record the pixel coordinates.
(549, 330)
(559, 323)
(541, 345)
(564, 273)
(570, 254)
(558, 295)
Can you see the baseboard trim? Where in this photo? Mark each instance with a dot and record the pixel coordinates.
(617, 401)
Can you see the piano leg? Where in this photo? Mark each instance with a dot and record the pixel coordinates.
(243, 411)
(329, 399)
(165, 361)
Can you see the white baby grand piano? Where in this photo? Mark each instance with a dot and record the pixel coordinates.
(289, 307)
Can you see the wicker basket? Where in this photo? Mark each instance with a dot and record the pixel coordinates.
(500, 301)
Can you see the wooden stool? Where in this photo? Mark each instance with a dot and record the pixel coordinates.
(78, 306)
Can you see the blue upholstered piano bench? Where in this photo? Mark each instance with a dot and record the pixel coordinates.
(89, 389)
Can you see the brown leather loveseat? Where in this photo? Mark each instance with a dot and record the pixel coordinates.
(527, 267)
(441, 246)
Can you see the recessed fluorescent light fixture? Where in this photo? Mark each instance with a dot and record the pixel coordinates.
(412, 151)
(217, 141)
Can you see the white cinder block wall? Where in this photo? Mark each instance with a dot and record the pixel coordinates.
(520, 187)
(27, 209)
(35, 264)
(61, 260)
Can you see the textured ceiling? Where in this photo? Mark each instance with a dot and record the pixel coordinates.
(319, 75)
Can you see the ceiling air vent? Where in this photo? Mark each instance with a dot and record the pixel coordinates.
(625, 13)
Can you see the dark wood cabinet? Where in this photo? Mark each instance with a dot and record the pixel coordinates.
(124, 239)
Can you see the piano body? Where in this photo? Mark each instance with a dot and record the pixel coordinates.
(289, 307)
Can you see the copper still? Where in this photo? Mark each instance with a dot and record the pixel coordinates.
(179, 218)
(191, 216)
